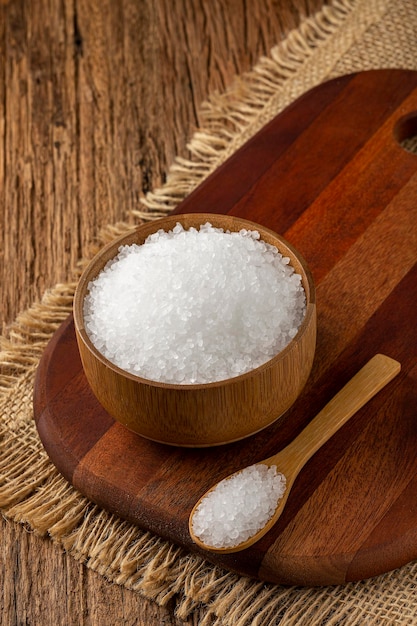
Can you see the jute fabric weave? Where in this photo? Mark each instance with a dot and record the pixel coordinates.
(348, 36)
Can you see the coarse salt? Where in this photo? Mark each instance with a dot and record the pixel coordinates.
(194, 306)
(239, 506)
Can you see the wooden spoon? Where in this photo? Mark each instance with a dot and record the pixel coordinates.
(379, 371)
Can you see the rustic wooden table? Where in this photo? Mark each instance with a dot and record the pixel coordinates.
(96, 99)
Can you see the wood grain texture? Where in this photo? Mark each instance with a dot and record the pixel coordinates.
(82, 87)
(340, 520)
(96, 99)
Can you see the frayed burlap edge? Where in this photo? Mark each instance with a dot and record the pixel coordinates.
(33, 493)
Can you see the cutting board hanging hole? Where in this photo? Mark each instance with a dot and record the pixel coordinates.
(405, 132)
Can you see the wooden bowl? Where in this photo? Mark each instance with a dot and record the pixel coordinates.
(198, 415)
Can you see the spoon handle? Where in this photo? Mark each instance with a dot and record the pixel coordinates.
(354, 395)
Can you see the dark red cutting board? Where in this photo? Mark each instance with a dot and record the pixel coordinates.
(329, 175)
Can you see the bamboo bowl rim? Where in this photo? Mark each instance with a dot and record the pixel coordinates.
(167, 223)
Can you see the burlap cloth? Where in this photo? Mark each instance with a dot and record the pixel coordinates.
(348, 36)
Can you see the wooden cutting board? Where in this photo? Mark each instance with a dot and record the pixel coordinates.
(330, 176)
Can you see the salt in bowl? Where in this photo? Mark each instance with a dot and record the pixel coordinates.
(213, 413)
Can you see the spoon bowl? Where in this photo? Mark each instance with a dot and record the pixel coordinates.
(373, 376)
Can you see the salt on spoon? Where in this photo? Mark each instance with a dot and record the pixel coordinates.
(240, 509)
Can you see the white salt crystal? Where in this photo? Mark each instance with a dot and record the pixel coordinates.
(194, 306)
(239, 506)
